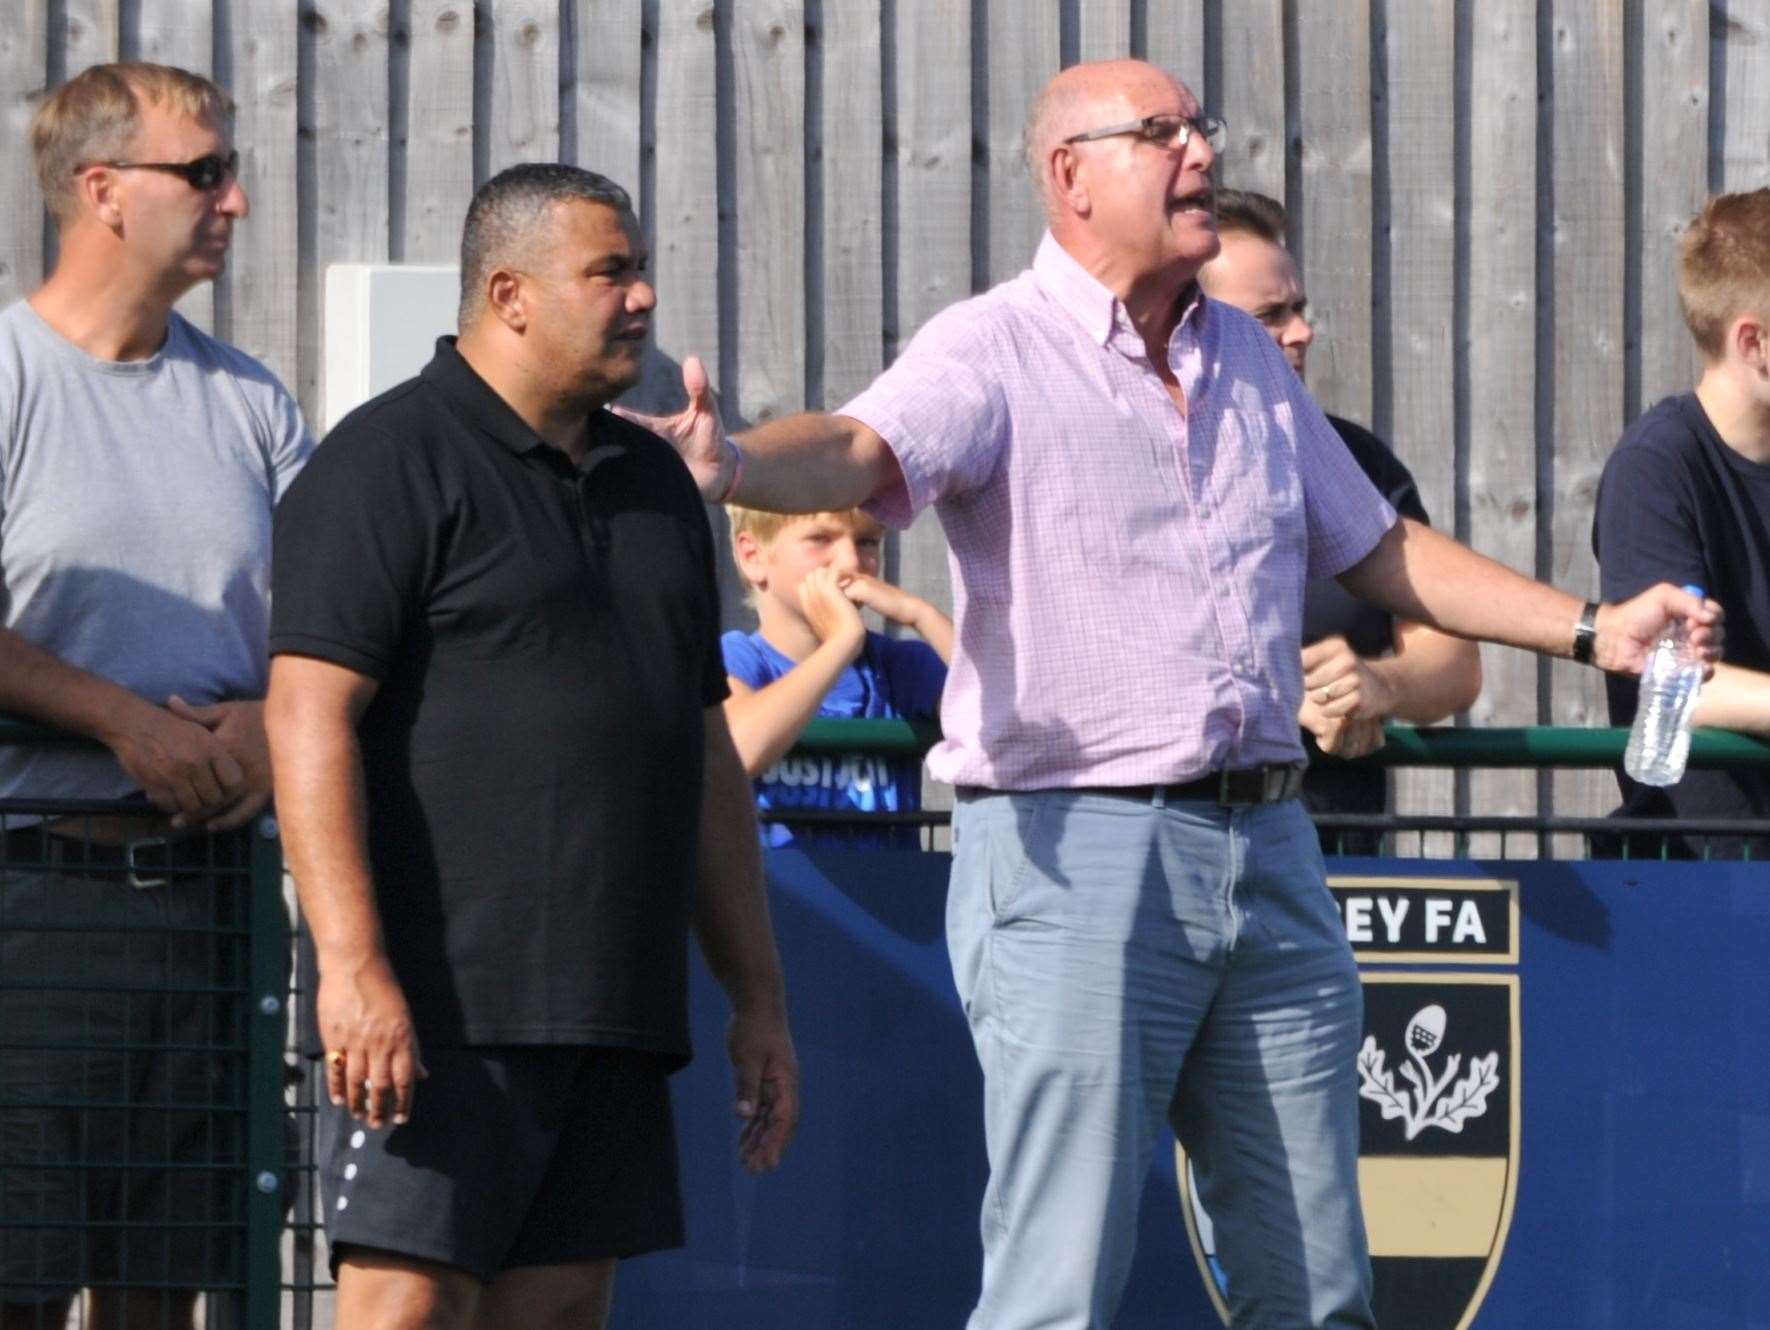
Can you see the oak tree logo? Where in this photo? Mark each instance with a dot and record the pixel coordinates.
(1429, 1099)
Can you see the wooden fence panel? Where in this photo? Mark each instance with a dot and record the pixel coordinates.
(90, 34)
(607, 92)
(349, 173)
(768, 190)
(1742, 29)
(24, 69)
(439, 130)
(1674, 133)
(1175, 40)
(852, 278)
(686, 243)
(1588, 232)
(523, 37)
(1331, 222)
(1419, 50)
(264, 264)
(1023, 56)
(1500, 344)
(1252, 95)
(1103, 30)
(932, 43)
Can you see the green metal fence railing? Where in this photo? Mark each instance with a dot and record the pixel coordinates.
(259, 1213)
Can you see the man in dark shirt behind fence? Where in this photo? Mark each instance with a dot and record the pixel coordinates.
(1686, 498)
(507, 790)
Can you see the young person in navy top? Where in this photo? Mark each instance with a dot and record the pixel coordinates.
(813, 656)
(1686, 498)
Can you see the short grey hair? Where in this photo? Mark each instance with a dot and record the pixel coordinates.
(507, 210)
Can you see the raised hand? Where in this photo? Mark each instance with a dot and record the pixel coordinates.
(829, 611)
(697, 433)
(889, 602)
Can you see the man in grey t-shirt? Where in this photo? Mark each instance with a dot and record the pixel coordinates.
(140, 460)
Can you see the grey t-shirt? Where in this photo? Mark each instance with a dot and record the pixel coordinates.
(135, 520)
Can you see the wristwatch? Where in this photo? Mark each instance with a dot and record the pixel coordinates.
(1585, 633)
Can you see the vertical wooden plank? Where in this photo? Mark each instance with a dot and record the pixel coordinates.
(686, 247)
(264, 266)
(685, 244)
(606, 92)
(1742, 27)
(439, 130)
(768, 191)
(349, 183)
(181, 33)
(1023, 55)
(1500, 343)
(1331, 222)
(1252, 96)
(1420, 50)
(1104, 30)
(853, 270)
(24, 64)
(1586, 52)
(933, 70)
(1176, 43)
(90, 34)
(524, 38)
(1674, 133)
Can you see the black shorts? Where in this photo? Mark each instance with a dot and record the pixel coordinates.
(513, 1157)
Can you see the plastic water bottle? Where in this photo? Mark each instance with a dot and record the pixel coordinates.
(1659, 740)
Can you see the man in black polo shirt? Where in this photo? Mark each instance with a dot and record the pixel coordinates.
(507, 791)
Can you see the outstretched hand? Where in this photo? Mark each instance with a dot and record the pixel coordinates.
(696, 431)
(1627, 631)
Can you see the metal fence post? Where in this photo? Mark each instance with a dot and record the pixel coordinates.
(267, 1168)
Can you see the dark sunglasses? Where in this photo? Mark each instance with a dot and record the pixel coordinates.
(205, 173)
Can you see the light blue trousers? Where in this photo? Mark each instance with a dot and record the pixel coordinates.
(1123, 963)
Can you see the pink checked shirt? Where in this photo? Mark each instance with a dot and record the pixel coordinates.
(1128, 582)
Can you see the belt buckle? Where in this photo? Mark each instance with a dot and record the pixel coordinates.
(1232, 787)
(138, 879)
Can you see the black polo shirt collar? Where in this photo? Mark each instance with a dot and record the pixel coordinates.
(492, 416)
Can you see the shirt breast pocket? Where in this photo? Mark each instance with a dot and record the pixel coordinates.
(1265, 488)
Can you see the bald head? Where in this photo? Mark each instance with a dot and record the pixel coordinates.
(1085, 97)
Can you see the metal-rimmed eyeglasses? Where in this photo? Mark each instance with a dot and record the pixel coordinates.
(1164, 131)
(202, 173)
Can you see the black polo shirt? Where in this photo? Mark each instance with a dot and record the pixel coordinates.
(545, 637)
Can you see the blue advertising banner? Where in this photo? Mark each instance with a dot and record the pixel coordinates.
(1565, 1089)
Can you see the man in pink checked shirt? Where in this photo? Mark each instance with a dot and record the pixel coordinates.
(1135, 486)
